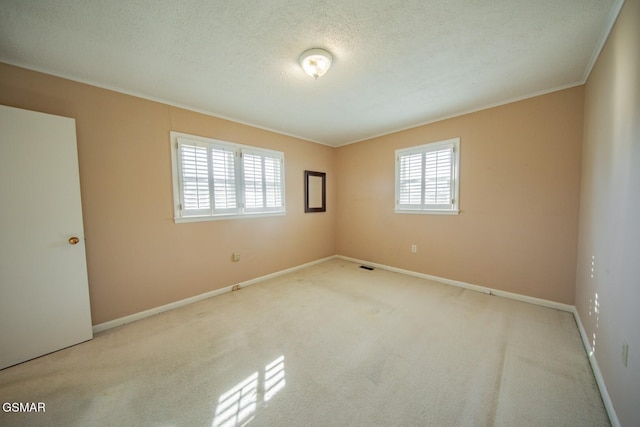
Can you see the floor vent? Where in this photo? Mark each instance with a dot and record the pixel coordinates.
(366, 267)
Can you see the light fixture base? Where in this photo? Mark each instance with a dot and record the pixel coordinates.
(315, 62)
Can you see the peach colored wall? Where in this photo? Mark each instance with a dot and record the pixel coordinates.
(520, 169)
(137, 257)
(519, 189)
(608, 271)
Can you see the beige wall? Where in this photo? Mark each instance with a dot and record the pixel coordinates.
(137, 257)
(519, 192)
(519, 189)
(609, 249)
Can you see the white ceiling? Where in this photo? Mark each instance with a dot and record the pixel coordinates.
(397, 63)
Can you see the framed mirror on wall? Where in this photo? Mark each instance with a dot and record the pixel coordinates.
(315, 192)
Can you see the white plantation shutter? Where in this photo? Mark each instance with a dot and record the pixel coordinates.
(194, 171)
(263, 181)
(273, 182)
(437, 177)
(411, 167)
(224, 179)
(427, 177)
(253, 181)
(218, 179)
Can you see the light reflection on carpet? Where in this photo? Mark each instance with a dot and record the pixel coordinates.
(237, 406)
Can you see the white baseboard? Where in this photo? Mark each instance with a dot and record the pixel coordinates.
(147, 313)
(482, 289)
(608, 404)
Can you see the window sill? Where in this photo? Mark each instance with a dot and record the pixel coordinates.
(427, 211)
(203, 218)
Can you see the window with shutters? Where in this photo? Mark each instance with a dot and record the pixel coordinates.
(427, 178)
(218, 180)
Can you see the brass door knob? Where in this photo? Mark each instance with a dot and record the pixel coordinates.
(74, 241)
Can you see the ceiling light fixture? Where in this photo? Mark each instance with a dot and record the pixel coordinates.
(315, 62)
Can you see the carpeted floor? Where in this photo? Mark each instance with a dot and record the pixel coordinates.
(331, 345)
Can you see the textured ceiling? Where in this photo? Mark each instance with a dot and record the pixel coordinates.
(397, 64)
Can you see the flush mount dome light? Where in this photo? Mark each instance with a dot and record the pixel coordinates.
(315, 62)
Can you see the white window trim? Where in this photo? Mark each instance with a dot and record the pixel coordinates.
(451, 209)
(237, 213)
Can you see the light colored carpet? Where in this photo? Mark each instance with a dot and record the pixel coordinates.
(331, 345)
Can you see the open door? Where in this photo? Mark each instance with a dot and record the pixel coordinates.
(44, 293)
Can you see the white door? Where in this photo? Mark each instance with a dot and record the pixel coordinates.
(44, 293)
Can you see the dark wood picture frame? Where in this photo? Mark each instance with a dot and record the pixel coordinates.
(315, 191)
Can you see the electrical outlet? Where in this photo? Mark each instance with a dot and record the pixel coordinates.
(625, 353)
(235, 257)
(414, 248)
